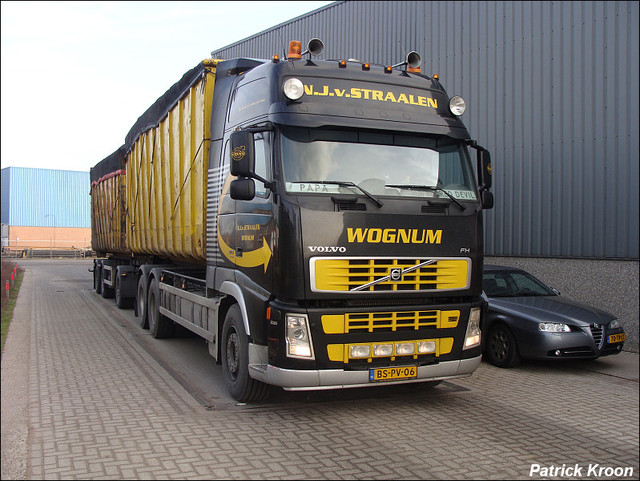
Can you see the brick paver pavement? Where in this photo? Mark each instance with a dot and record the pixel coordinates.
(100, 407)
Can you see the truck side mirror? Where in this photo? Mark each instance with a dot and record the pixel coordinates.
(487, 199)
(242, 154)
(242, 189)
(484, 159)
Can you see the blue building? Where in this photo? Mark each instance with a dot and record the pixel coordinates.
(45, 208)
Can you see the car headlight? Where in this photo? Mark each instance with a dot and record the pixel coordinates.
(615, 324)
(553, 327)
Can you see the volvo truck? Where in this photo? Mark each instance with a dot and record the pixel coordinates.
(319, 223)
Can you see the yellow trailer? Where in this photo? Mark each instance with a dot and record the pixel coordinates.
(150, 199)
(166, 180)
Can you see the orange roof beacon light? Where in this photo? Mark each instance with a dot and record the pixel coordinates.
(366, 66)
(342, 64)
(295, 50)
(275, 58)
(315, 47)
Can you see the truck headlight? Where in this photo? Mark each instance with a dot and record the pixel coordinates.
(298, 337)
(472, 336)
(553, 327)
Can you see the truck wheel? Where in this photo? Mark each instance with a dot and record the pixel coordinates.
(501, 347)
(160, 326)
(235, 360)
(97, 277)
(141, 302)
(107, 292)
(121, 302)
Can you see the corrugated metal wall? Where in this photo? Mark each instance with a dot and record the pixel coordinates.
(552, 92)
(45, 198)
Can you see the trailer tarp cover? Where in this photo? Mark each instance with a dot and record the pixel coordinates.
(148, 120)
(109, 164)
(160, 108)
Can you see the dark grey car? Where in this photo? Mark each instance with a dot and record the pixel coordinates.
(528, 320)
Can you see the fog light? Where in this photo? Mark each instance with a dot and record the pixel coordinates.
(383, 350)
(426, 347)
(405, 348)
(557, 353)
(359, 352)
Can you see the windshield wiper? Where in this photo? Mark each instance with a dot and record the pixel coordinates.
(344, 183)
(427, 187)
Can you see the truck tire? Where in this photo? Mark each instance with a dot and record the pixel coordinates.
(160, 326)
(501, 347)
(141, 302)
(235, 360)
(107, 292)
(97, 277)
(121, 302)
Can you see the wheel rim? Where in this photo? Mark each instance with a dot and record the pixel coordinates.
(500, 345)
(232, 354)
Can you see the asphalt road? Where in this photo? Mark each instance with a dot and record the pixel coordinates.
(88, 394)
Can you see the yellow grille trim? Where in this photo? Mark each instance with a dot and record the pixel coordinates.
(340, 352)
(345, 274)
(372, 321)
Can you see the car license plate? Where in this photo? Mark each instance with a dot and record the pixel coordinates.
(392, 373)
(613, 338)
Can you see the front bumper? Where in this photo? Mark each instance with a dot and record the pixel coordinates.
(309, 380)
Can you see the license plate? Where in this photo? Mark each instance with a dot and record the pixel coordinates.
(613, 338)
(392, 373)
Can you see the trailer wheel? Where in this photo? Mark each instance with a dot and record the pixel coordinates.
(160, 326)
(121, 302)
(235, 360)
(141, 302)
(97, 277)
(107, 292)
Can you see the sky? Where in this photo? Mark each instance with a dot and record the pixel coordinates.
(77, 75)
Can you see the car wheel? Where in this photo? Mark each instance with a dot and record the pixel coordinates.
(501, 348)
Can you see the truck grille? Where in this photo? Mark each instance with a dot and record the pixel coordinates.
(383, 274)
(597, 331)
(388, 321)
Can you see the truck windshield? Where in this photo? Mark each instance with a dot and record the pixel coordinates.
(382, 164)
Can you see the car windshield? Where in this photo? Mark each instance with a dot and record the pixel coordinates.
(509, 283)
(331, 162)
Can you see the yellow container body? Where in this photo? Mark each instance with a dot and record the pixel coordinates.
(167, 179)
(108, 216)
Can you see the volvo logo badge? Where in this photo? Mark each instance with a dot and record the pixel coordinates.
(395, 274)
